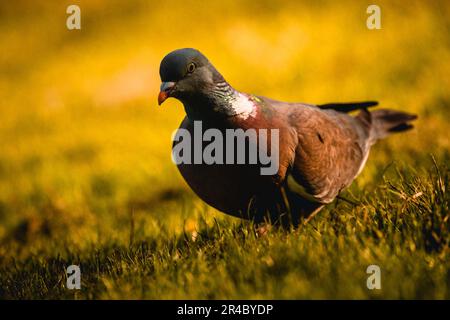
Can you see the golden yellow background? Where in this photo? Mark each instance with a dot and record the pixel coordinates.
(84, 146)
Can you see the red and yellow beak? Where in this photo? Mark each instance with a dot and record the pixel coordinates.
(164, 93)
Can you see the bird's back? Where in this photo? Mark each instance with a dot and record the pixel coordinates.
(331, 148)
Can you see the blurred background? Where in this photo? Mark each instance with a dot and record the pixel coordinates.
(84, 148)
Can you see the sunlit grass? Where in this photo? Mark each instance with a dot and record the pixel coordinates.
(85, 169)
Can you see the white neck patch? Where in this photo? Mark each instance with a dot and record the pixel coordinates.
(243, 107)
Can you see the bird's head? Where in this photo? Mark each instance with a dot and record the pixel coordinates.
(186, 74)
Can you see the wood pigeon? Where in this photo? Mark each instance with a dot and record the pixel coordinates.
(321, 148)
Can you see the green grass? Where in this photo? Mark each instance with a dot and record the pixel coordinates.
(402, 225)
(85, 170)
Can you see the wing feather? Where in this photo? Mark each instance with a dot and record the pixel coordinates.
(332, 149)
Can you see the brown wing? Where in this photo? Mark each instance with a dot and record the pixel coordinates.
(332, 148)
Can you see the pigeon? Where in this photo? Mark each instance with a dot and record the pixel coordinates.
(321, 148)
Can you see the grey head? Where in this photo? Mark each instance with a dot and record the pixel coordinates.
(188, 76)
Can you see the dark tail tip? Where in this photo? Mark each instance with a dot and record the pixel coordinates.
(401, 127)
(387, 121)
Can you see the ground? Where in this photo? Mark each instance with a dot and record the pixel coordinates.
(86, 176)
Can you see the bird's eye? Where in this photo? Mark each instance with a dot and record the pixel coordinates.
(191, 67)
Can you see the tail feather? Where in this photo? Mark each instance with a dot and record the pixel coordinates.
(385, 121)
(349, 106)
